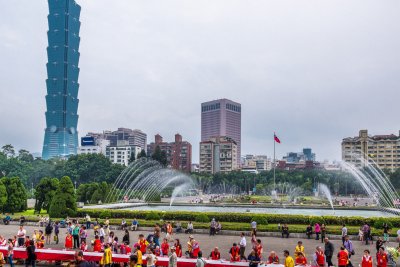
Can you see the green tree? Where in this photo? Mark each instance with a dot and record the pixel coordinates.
(16, 194)
(25, 155)
(44, 193)
(3, 195)
(8, 150)
(132, 157)
(64, 203)
(142, 154)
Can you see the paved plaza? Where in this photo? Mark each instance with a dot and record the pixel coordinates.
(207, 243)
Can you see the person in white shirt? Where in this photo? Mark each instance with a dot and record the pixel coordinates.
(102, 233)
(242, 246)
(254, 227)
(21, 236)
(151, 258)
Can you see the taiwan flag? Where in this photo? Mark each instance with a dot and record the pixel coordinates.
(277, 139)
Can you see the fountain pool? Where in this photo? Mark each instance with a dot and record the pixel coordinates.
(266, 210)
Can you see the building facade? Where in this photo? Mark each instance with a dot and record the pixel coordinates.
(61, 135)
(179, 152)
(218, 154)
(92, 145)
(133, 137)
(122, 152)
(256, 163)
(384, 150)
(222, 117)
(296, 157)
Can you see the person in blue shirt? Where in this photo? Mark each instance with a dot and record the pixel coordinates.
(135, 225)
(253, 259)
(7, 219)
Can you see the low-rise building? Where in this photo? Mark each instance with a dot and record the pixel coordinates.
(179, 152)
(384, 150)
(122, 152)
(218, 154)
(92, 145)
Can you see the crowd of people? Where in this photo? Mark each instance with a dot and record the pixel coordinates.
(93, 236)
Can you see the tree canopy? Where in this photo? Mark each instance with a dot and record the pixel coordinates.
(64, 202)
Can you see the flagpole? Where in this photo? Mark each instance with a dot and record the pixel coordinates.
(274, 163)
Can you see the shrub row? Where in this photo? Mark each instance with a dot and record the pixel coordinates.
(237, 217)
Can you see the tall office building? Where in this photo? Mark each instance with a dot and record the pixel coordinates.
(61, 136)
(222, 117)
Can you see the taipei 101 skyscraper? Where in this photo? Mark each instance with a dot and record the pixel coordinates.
(61, 136)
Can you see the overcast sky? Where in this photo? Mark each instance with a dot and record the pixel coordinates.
(313, 71)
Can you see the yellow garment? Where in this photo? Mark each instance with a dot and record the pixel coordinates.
(139, 257)
(289, 262)
(107, 257)
(299, 249)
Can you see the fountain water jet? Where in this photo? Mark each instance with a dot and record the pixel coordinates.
(145, 179)
(327, 193)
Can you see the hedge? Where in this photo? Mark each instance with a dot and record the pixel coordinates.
(239, 217)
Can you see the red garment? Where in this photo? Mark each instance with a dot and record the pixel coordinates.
(178, 251)
(97, 245)
(143, 245)
(215, 255)
(234, 253)
(301, 261)
(195, 251)
(320, 258)
(169, 229)
(259, 249)
(165, 248)
(343, 258)
(27, 243)
(381, 259)
(157, 252)
(273, 259)
(68, 242)
(128, 250)
(366, 261)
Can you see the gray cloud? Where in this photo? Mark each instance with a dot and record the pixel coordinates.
(313, 71)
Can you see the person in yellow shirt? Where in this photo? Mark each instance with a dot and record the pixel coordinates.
(289, 262)
(299, 248)
(139, 255)
(106, 260)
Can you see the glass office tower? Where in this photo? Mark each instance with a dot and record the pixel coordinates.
(61, 136)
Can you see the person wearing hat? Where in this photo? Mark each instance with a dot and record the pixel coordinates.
(173, 258)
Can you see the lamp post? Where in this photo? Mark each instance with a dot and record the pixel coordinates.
(75, 186)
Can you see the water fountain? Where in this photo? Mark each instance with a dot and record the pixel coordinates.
(145, 179)
(374, 181)
(323, 188)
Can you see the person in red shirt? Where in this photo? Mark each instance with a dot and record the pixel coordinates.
(128, 249)
(215, 255)
(143, 243)
(69, 241)
(165, 247)
(273, 258)
(234, 252)
(259, 248)
(300, 259)
(319, 257)
(178, 247)
(27, 241)
(343, 257)
(96, 244)
(381, 258)
(366, 259)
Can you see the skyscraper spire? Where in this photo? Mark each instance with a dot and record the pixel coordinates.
(61, 136)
